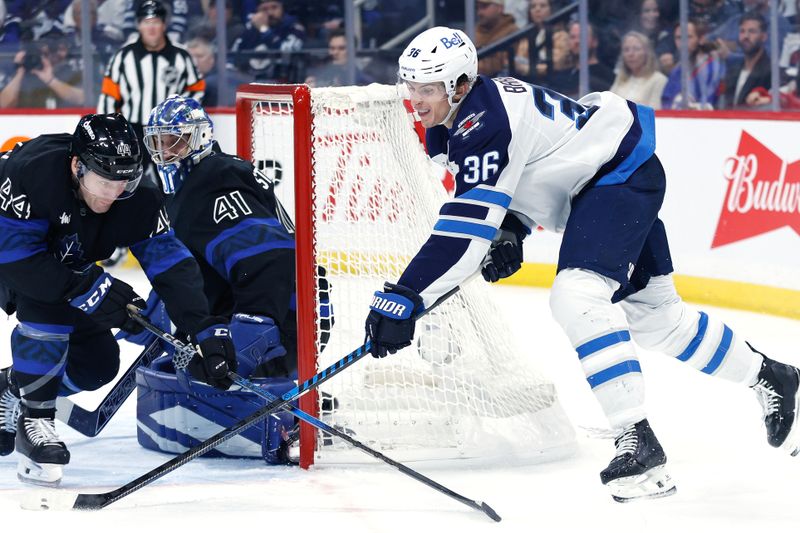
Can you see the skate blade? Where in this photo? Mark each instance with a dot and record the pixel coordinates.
(42, 474)
(655, 483)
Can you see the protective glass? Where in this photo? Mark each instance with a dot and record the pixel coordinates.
(425, 92)
(168, 144)
(104, 188)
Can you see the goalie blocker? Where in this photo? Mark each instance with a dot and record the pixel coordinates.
(175, 413)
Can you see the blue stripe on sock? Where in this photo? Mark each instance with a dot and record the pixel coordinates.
(620, 369)
(722, 351)
(595, 345)
(701, 332)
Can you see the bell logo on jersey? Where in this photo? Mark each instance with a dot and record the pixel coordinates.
(450, 42)
(763, 193)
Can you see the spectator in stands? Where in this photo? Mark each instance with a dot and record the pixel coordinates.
(43, 76)
(32, 19)
(748, 78)
(560, 78)
(106, 39)
(279, 36)
(648, 22)
(206, 27)
(204, 55)
(540, 53)
(706, 73)
(638, 78)
(492, 25)
(601, 76)
(727, 33)
(714, 13)
(333, 73)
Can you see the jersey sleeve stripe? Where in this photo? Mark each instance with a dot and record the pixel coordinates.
(235, 257)
(487, 196)
(198, 86)
(458, 209)
(111, 89)
(461, 229)
(248, 238)
(160, 253)
(21, 238)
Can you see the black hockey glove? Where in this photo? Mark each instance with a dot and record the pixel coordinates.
(505, 254)
(105, 299)
(390, 324)
(215, 353)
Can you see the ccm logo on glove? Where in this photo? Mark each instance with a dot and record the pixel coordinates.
(96, 296)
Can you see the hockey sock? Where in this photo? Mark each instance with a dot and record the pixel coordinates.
(581, 303)
(39, 352)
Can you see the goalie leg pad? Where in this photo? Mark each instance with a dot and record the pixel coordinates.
(173, 414)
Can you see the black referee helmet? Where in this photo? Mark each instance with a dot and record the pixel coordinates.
(151, 9)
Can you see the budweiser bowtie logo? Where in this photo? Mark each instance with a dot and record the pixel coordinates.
(763, 193)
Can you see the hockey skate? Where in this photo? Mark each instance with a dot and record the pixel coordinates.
(9, 411)
(638, 469)
(42, 454)
(777, 392)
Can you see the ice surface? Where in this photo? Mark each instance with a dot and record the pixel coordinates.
(728, 478)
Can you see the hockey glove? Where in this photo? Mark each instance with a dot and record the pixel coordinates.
(505, 254)
(105, 299)
(257, 340)
(215, 355)
(390, 323)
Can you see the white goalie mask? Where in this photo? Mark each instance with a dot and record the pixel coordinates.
(439, 54)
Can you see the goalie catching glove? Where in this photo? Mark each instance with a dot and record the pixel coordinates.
(215, 355)
(505, 255)
(390, 324)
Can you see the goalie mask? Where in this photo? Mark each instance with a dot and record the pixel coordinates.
(432, 64)
(178, 135)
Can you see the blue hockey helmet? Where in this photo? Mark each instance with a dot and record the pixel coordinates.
(178, 133)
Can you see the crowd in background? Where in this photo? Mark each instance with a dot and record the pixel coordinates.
(633, 46)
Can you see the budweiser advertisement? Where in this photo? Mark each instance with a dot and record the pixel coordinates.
(763, 193)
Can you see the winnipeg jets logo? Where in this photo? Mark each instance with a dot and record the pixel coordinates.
(124, 149)
(470, 124)
(65, 218)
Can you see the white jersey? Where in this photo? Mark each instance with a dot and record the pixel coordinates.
(525, 149)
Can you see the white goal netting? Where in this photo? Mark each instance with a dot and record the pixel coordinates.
(464, 388)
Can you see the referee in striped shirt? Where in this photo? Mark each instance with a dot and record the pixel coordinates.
(142, 74)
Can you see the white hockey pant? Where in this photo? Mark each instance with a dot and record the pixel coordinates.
(657, 319)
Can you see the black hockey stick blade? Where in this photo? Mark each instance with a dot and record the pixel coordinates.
(90, 423)
(333, 431)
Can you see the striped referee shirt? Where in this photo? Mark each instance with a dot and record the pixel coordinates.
(137, 80)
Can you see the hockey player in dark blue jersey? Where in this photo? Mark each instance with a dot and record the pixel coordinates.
(226, 213)
(67, 202)
(524, 155)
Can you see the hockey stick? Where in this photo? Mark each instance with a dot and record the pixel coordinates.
(90, 423)
(101, 500)
(189, 352)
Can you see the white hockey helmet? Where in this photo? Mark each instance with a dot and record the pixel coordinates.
(439, 54)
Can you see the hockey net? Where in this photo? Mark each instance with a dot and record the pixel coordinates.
(365, 198)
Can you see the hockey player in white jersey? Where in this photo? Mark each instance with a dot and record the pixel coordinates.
(523, 156)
